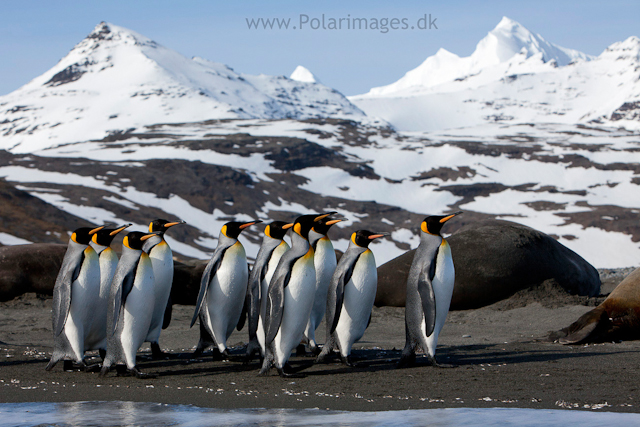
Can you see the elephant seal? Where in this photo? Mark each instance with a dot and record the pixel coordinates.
(29, 268)
(616, 318)
(493, 260)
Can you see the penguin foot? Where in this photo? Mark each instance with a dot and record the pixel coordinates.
(67, 366)
(348, 361)
(218, 355)
(248, 357)
(406, 361)
(95, 367)
(50, 365)
(315, 349)
(301, 351)
(104, 371)
(435, 364)
(157, 353)
(142, 375)
(327, 355)
(121, 370)
(284, 374)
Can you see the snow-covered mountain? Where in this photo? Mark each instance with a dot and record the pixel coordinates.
(116, 79)
(124, 130)
(302, 74)
(513, 76)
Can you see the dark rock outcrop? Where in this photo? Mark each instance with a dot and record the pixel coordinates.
(29, 268)
(493, 260)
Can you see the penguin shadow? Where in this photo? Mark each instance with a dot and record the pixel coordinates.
(477, 354)
(364, 360)
(24, 362)
(184, 363)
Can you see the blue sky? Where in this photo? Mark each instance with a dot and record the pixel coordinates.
(34, 35)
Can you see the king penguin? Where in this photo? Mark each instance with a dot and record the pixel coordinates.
(162, 261)
(101, 243)
(271, 250)
(351, 295)
(223, 290)
(325, 263)
(429, 290)
(131, 302)
(74, 299)
(290, 297)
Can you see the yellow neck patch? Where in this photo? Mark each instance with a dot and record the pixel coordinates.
(224, 230)
(353, 238)
(73, 237)
(125, 242)
(267, 231)
(150, 227)
(297, 228)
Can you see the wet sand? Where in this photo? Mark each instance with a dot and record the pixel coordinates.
(502, 357)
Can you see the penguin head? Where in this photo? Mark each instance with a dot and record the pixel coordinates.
(162, 225)
(105, 236)
(135, 239)
(362, 238)
(322, 226)
(83, 235)
(303, 224)
(433, 224)
(233, 229)
(277, 229)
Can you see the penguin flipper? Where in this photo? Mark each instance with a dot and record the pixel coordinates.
(339, 280)
(62, 293)
(166, 320)
(428, 298)
(252, 300)
(209, 271)
(275, 306)
(124, 288)
(243, 316)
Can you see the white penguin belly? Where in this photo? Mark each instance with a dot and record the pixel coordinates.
(298, 300)
(138, 311)
(226, 294)
(97, 337)
(443, 282)
(162, 262)
(325, 265)
(359, 295)
(84, 301)
(264, 290)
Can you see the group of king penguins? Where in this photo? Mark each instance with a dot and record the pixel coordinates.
(114, 305)
(108, 304)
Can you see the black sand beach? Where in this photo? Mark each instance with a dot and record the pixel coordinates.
(501, 351)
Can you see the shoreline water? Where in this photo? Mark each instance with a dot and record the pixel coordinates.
(102, 414)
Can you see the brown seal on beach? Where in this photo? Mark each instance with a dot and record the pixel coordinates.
(617, 318)
(493, 260)
(29, 268)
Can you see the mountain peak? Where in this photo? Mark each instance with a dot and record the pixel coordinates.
(507, 24)
(302, 74)
(116, 79)
(625, 48)
(510, 38)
